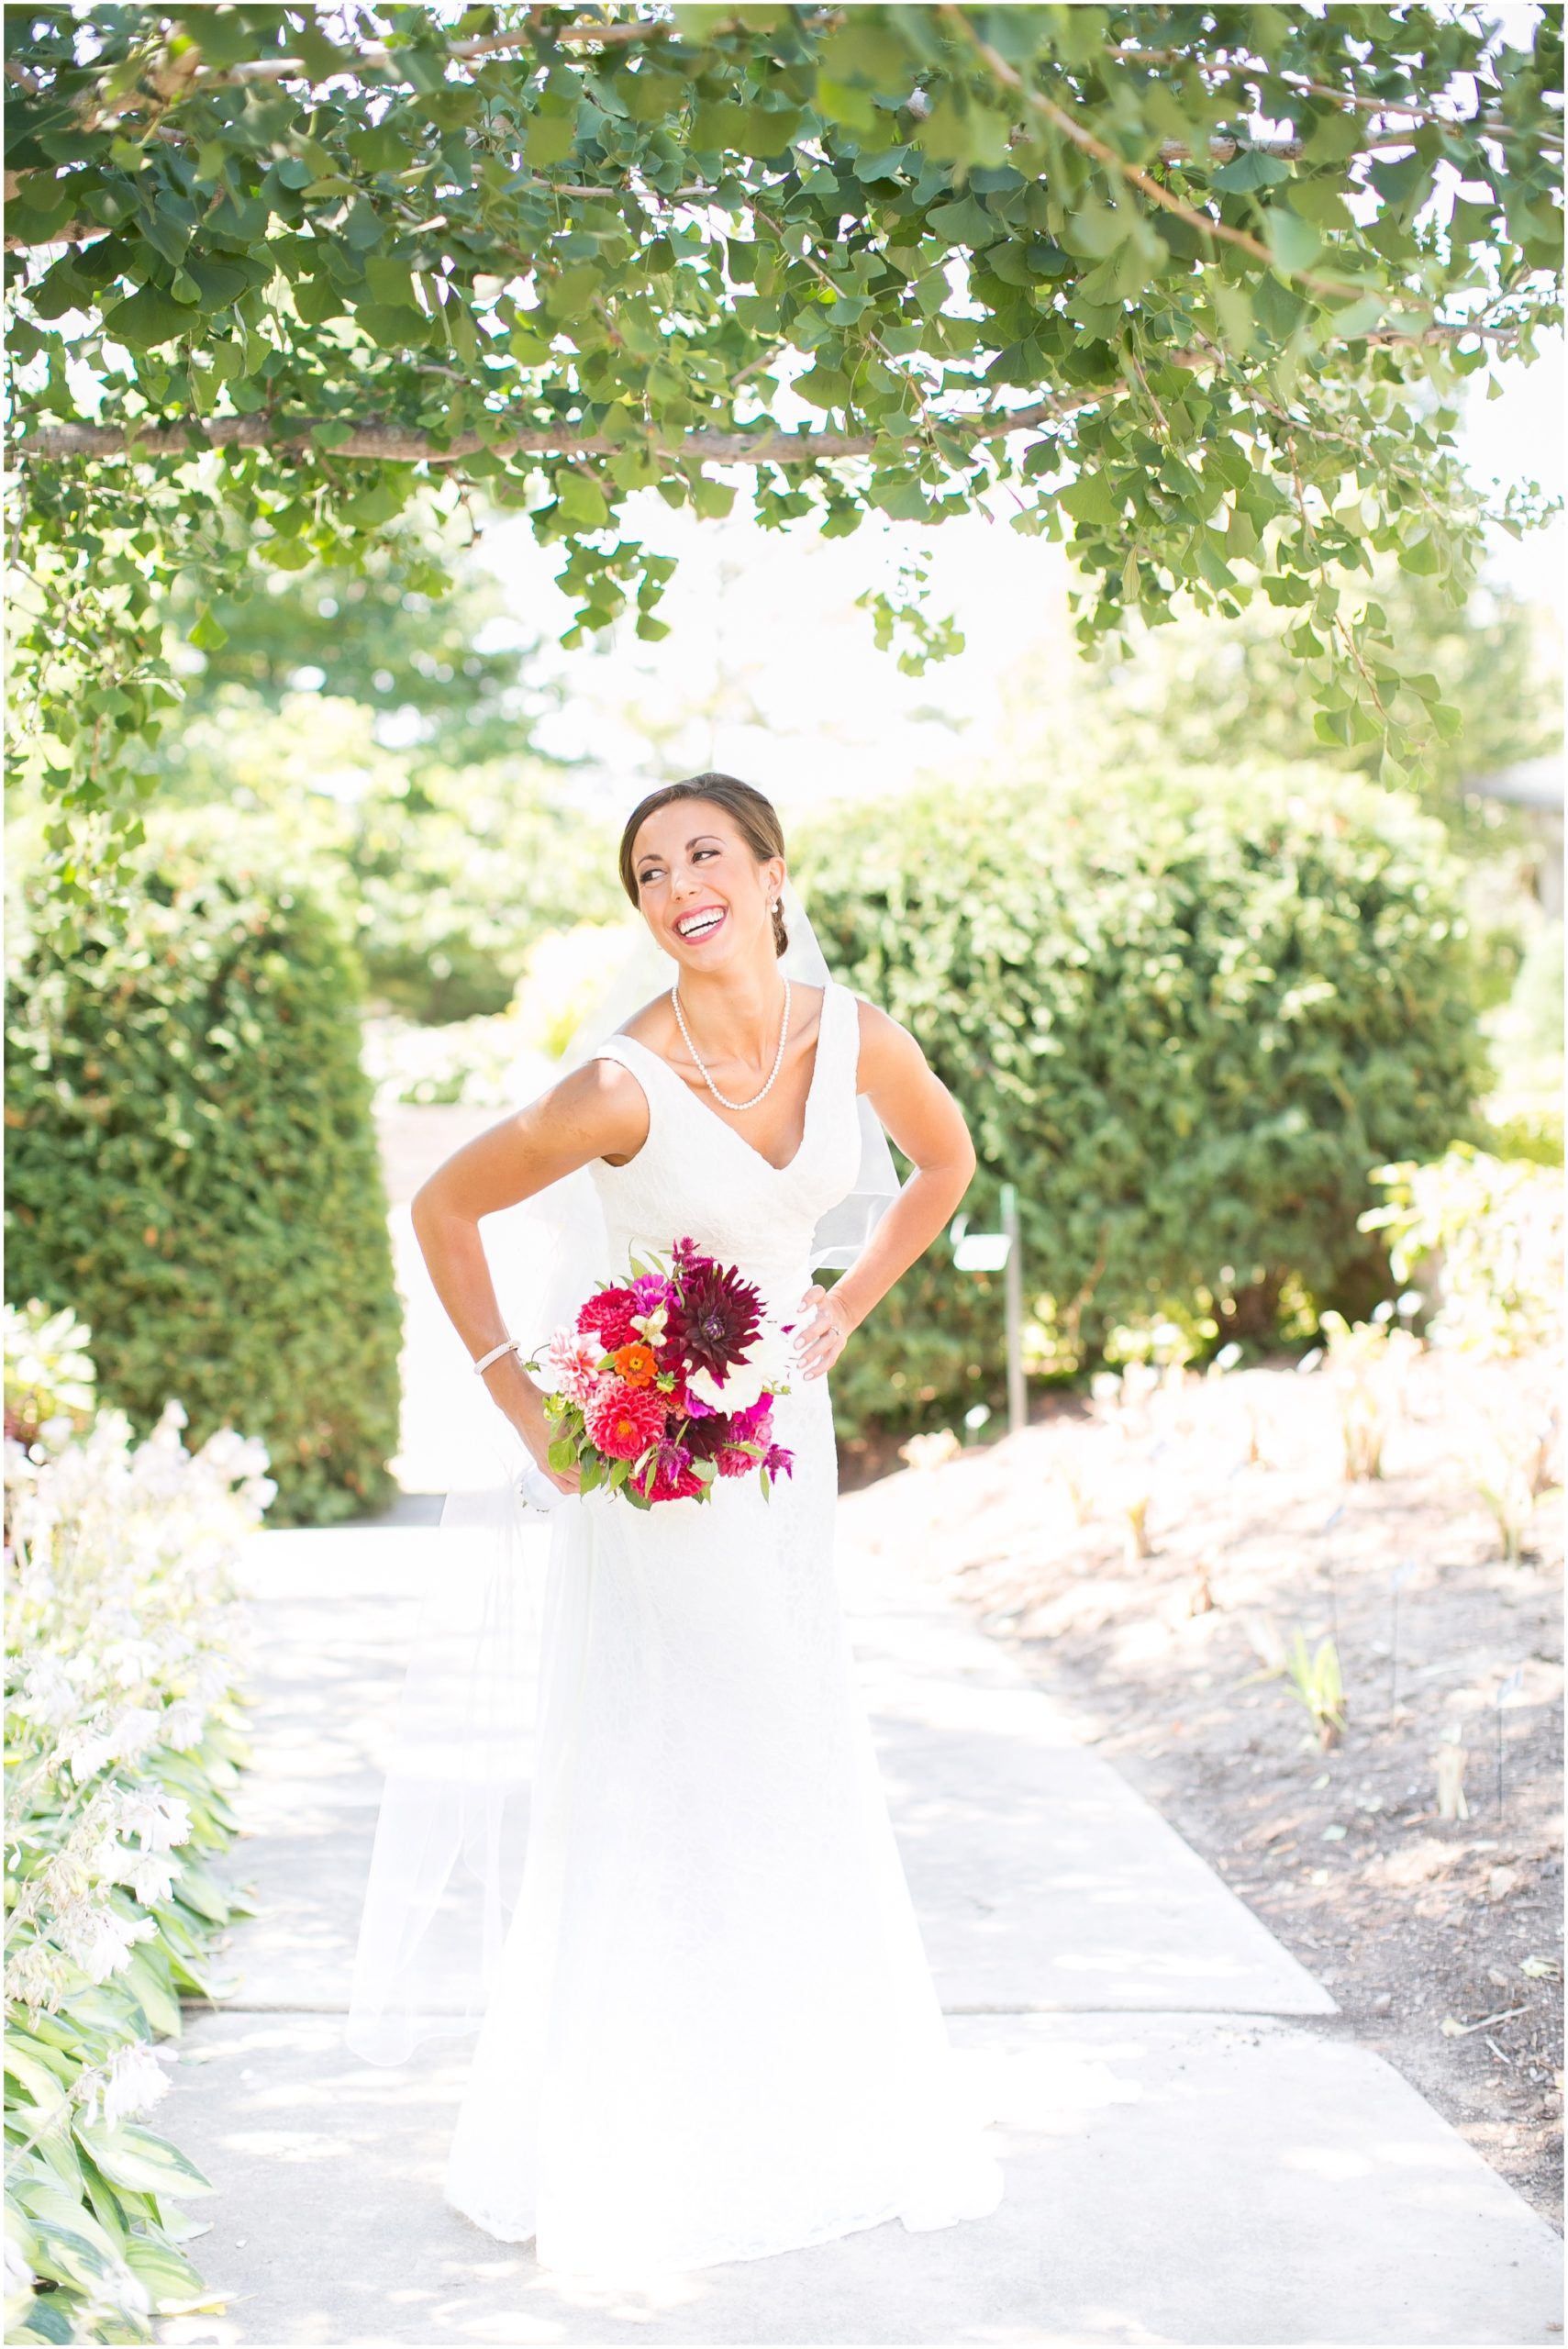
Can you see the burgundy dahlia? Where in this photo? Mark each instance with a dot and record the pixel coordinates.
(705, 1434)
(723, 1316)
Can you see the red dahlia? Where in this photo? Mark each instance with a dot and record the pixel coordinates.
(608, 1316)
(622, 1420)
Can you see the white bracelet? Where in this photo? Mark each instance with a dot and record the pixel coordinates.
(495, 1354)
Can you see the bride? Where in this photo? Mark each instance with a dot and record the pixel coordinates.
(710, 2033)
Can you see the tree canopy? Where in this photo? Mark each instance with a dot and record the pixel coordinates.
(1192, 288)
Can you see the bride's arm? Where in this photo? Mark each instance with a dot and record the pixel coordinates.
(599, 1111)
(927, 1125)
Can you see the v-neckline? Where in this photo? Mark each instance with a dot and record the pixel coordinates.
(701, 1106)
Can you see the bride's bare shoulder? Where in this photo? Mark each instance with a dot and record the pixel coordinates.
(888, 1051)
(652, 1023)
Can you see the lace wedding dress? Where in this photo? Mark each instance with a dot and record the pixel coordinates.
(713, 2034)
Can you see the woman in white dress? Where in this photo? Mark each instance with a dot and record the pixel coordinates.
(712, 2033)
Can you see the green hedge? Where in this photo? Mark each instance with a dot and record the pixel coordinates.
(1185, 1016)
(192, 1167)
(447, 900)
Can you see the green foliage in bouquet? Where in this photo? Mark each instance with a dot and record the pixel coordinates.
(1185, 1016)
(193, 1168)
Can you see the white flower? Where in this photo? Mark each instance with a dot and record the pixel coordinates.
(149, 1874)
(765, 1370)
(49, 1694)
(234, 1455)
(86, 1749)
(741, 1387)
(130, 2084)
(67, 1879)
(157, 1822)
(139, 1728)
(183, 1725)
(36, 1977)
(101, 1941)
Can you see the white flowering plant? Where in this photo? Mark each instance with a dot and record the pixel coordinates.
(124, 1739)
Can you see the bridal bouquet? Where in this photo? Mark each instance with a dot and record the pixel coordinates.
(666, 1381)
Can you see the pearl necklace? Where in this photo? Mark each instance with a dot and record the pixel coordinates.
(778, 1056)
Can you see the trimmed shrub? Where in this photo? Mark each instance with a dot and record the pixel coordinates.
(1185, 1016)
(193, 1168)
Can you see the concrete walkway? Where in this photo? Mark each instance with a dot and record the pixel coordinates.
(1195, 2150)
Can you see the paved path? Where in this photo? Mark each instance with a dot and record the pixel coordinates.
(1196, 2149)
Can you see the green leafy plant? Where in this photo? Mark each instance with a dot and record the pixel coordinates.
(1313, 1674)
(1487, 1233)
(193, 1166)
(1513, 1468)
(50, 1378)
(123, 1738)
(1315, 1679)
(313, 279)
(1182, 1013)
(1367, 1364)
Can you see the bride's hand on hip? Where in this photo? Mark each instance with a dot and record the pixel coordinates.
(820, 1340)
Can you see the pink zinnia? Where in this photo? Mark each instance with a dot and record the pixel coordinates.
(622, 1420)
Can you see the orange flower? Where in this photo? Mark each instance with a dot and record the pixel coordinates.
(635, 1364)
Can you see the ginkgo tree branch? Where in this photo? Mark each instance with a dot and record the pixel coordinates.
(612, 34)
(410, 444)
(405, 444)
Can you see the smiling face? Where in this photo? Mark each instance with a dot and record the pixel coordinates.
(700, 888)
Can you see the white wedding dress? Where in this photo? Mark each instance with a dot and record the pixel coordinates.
(713, 2034)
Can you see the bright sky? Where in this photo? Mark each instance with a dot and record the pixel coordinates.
(770, 673)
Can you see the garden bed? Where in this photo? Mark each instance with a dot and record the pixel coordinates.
(124, 1736)
(1439, 1936)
